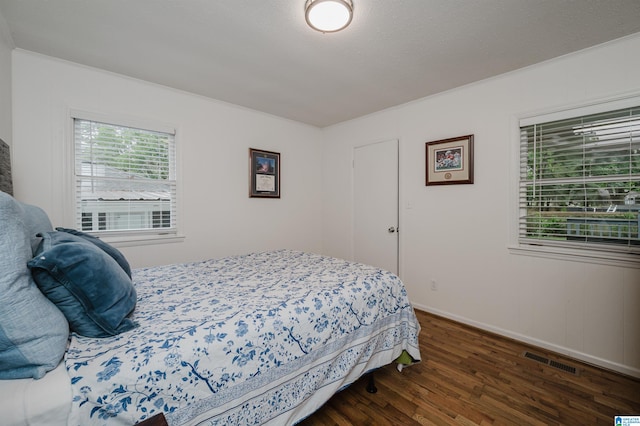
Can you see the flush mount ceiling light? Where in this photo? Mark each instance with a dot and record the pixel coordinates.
(328, 16)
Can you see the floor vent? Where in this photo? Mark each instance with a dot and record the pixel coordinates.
(555, 364)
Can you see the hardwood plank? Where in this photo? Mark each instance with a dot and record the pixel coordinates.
(471, 377)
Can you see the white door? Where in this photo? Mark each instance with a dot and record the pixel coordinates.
(376, 205)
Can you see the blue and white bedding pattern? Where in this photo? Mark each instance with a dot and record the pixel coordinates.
(264, 338)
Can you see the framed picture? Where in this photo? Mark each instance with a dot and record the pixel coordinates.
(6, 184)
(449, 161)
(264, 174)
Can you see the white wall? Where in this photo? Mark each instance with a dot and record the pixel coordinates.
(459, 234)
(217, 216)
(5, 81)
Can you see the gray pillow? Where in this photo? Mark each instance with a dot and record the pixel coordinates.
(33, 331)
(36, 221)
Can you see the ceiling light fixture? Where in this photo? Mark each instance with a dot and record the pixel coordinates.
(328, 16)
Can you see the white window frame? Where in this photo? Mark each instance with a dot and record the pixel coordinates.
(589, 254)
(130, 237)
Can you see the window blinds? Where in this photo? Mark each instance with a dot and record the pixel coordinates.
(580, 182)
(125, 178)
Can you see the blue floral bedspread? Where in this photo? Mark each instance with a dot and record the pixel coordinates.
(262, 338)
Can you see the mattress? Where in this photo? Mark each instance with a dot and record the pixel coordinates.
(264, 338)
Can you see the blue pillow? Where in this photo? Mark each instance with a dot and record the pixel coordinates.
(33, 332)
(86, 284)
(107, 248)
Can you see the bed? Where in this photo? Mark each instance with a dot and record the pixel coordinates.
(261, 338)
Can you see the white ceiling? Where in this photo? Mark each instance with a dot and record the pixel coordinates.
(260, 53)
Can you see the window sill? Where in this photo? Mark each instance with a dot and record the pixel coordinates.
(591, 256)
(142, 240)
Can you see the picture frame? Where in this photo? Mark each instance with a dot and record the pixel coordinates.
(449, 161)
(264, 174)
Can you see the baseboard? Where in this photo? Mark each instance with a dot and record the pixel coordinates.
(589, 359)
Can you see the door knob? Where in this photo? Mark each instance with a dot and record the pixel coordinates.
(391, 229)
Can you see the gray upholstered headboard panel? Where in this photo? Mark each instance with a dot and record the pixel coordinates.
(6, 184)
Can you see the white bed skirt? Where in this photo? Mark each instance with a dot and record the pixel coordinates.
(44, 402)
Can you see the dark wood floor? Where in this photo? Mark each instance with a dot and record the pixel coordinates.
(471, 377)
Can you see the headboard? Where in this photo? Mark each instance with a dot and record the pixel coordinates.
(6, 184)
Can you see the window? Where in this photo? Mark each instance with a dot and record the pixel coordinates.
(580, 181)
(161, 219)
(124, 179)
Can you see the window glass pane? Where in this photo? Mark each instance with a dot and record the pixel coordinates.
(162, 219)
(123, 175)
(87, 222)
(579, 181)
(102, 221)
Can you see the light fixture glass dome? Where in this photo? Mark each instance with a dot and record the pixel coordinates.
(328, 16)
